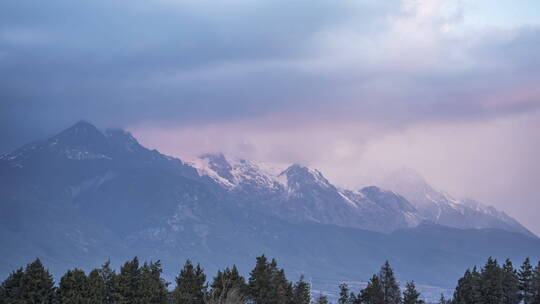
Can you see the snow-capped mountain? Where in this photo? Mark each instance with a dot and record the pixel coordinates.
(86, 195)
(238, 174)
(303, 194)
(441, 208)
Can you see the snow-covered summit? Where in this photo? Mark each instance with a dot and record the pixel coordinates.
(236, 174)
(300, 193)
(296, 176)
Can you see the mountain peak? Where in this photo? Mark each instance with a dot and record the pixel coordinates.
(371, 190)
(387, 199)
(216, 158)
(375, 193)
(81, 134)
(295, 168)
(219, 164)
(82, 126)
(297, 175)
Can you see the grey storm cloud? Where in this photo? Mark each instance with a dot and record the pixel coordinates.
(120, 63)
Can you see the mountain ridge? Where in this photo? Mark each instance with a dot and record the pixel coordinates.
(81, 211)
(442, 208)
(295, 193)
(431, 205)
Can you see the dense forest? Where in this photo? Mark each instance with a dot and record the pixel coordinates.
(267, 284)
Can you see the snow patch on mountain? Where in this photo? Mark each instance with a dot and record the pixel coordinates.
(347, 199)
(236, 173)
(204, 168)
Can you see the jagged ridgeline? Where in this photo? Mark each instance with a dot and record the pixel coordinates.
(85, 195)
(267, 284)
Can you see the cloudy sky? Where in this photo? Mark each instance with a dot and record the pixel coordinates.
(354, 88)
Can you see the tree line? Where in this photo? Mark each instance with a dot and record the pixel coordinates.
(143, 284)
(492, 284)
(267, 284)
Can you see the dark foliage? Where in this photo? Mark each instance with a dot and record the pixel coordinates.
(267, 284)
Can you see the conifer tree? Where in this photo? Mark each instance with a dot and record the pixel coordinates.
(96, 288)
(344, 294)
(510, 284)
(73, 287)
(260, 281)
(476, 280)
(411, 295)
(268, 283)
(281, 289)
(525, 281)
(301, 292)
(373, 293)
(492, 283)
(536, 285)
(468, 289)
(355, 299)
(109, 278)
(153, 287)
(37, 284)
(236, 278)
(218, 286)
(443, 300)
(226, 280)
(321, 299)
(128, 289)
(11, 288)
(227, 284)
(191, 285)
(392, 293)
